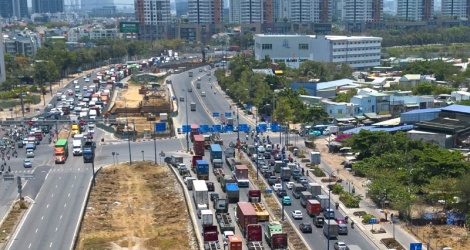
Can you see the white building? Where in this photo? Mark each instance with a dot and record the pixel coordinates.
(75, 34)
(460, 95)
(152, 12)
(359, 51)
(205, 11)
(246, 11)
(454, 8)
(2, 60)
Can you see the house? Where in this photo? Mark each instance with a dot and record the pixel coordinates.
(364, 104)
(460, 95)
(382, 103)
(412, 79)
(339, 109)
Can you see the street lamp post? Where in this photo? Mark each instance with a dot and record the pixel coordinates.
(329, 204)
(128, 137)
(117, 159)
(155, 145)
(257, 163)
(282, 184)
(114, 160)
(143, 158)
(22, 103)
(238, 126)
(187, 122)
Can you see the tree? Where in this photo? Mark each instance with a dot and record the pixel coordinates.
(345, 97)
(424, 88)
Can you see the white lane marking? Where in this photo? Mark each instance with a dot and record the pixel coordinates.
(75, 177)
(42, 218)
(65, 204)
(55, 186)
(60, 177)
(60, 217)
(37, 230)
(68, 195)
(52, 195)
(29, 245)
(56, 229)
(50, 245)
(47, 206)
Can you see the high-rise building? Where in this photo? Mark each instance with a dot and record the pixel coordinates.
(93, 4)
(205, 11)
(246, 11)
(14, 8)
(3, 75)
(415, 10)
(152, 12)
(298, 11)
(181, 7)
(48, 6)
(362, 10)
(455, 8)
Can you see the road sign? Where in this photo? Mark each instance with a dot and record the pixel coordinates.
(275, 127)
(373, 221)
(204, 128)
(217, 128)
(30, 176)
(243, 128)
(416, 246)
(268, 191)
(229, 128)
(160, 127)
(8, 177)
(215, 114)
(228, 114)
(186, 128)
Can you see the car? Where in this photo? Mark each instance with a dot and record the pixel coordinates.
(27, 163)
(264, 168)
(261, 149)
(286, 200)
(281, 193)
(181, 99)
(84, 77)
(305, 227)
(302, 179)
(88, 75)
(80, 97)
(87, 79)
(343, 229)
(273, 180)
(70, 93)
(89, 136)
(297, 215)
(340, 246)
(210, 186)
(75, 81)
(29, 153)
(203, 94)
(277, 157)
(91, 130)
(329, 213)
(267, 155)
(268, 173)
(63, 97)
(277, 186)
(85, 88)
(214, 196)
(341, 221)
(254, 157)
(289, 185)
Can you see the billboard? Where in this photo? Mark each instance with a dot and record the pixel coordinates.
(129, 27)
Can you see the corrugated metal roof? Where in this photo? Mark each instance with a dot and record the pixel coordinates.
(420, 111)
(334, 84)
(391, 122)
(373, 128)
(457, 108)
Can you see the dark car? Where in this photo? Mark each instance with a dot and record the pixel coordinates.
(267, 156)
(281, 193)
(302, 179)
(268, 173)
(210, 186)
(305, 227)
(277, 157)
(273, 180)
(214, 196)
(272, 162)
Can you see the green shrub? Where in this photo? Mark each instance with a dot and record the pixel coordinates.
(350, 200)
(318, 172)
(366, 218)
(337, 189)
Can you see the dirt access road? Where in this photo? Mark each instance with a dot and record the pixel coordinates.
(139, 207)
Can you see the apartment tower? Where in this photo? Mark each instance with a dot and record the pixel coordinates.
(205, 11)
(415, 10)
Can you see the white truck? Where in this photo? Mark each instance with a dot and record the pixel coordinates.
(200, 193)
(77, 145)
(93, 114)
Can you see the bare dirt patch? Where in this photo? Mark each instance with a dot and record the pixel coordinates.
(139, 207)
(11, 221)
(439, 236)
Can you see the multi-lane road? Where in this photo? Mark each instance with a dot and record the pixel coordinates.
(59, 191)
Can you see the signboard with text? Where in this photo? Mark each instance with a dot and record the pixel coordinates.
(129, 27)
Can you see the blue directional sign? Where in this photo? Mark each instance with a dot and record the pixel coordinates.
(416, 246)
(263, 127)
(162, 155)
(217, 128)
(244, 128)
(373, 221)
(215, 114)
(160, 127)
(186, 128)
(275, 127)
(229, 128)
(204, 128)
(228, 114)
(268, 191)
(248, 106)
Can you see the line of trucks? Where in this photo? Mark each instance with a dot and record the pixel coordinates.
(80, 147)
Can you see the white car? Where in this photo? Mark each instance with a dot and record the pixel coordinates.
(340, 246)
(289, 185)
(79, 97)
(261, 149)
(75, 81)
(277, 186)
(297, 214)
(85, 88)
(87, 79)
(84, 76)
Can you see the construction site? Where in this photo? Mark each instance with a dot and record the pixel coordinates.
(138, 107)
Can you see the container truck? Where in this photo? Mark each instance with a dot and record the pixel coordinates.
(232, 162)
(75, 130)
(254, 234)
(313, 208)
(216, 152)
(314, 188)
(225, 222)
(241, 175)
(202, 170)
(332, 226)
(229, 153)
(198, 84)
(233, 192)
(297, 189)
(193, 106)
(261, 211)
(176, 160)
(285, 174)
(88, 151)
(221, 205)
(210, 237)
(304, 197)
(61, 151)
(246, 215)
(77, 145)
(254, 195)
(200, 193)
(274, 235)
(278, 166)
(235, 243)
(207, 217)
(224, 180)
(194, 130)
(194, 159)
(198, 145)
(324, 201)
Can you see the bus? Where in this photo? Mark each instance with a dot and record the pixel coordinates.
(193, 106)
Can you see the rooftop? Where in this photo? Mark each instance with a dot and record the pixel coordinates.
(334, 84)
(422, 111)
(327, 37)
(457, 108)
(373, 128)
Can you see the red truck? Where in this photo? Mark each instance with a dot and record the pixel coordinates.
(198, 145)
(313, 208)
(235, 243)
(210, 237)
(254, 195)
(254, 233)
(246, 215)
(194, 130)
(195, 158)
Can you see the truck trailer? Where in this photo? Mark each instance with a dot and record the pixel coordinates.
(89, 152)
(246, 215)
(61, 151)
(202, 170)
(240, 174)
(200, 193)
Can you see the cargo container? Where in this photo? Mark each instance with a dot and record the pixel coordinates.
(246, 215)
(216, 152)
(313, 208)
(210, 237)
(324, 201)
(235, 243)
(314, 188)
(241, 175)
(194, 160)
(207, 218)
(198, 145)
(285, 174)
(233, 192)
(232, 162)
(202, 170)
(278, 166)
(332, 227)
(297, 189)
(304, 197)
(224, 180)
(274, 235)
(225, 222)
(254, 233)
(315, 158)
(200, 193)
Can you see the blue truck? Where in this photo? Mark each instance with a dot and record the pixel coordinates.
(202, 170)
(89, 152)
(233, 192)
(216, 152)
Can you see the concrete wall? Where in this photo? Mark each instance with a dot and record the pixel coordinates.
(439, 139)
